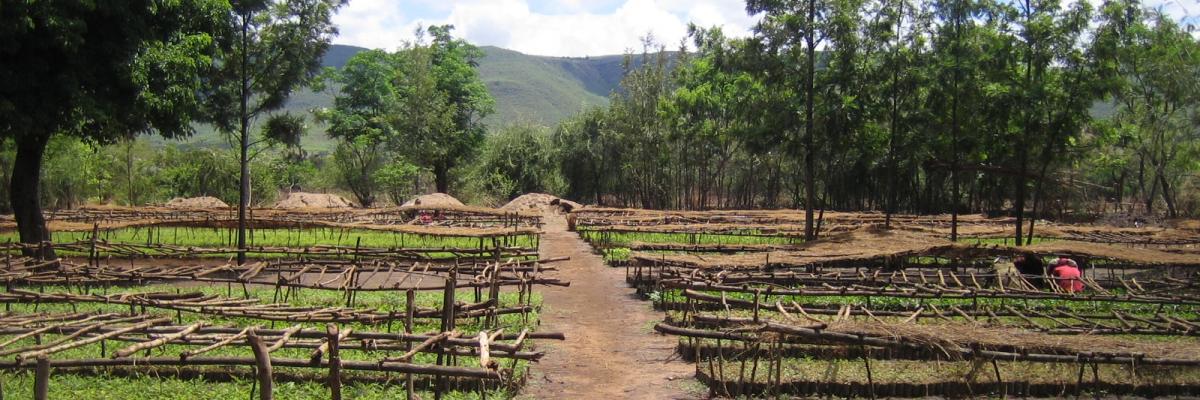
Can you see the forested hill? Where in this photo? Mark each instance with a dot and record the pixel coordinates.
(538, 89)
(534, 88)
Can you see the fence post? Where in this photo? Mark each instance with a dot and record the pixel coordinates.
(41, 379)
(410, 296)
(263, 360)
(494, 295)
(335, 364)
(448, 314)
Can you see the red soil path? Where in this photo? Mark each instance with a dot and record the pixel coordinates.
(611, 352)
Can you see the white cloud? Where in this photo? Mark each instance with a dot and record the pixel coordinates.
(369, 23)
(567, 29)
(571, 27)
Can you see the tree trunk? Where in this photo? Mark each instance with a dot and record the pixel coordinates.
(1022, 150)
(809, 178)
(24, 192)
(1168, 197)
(1142, 185)
(441, 177)
(1019, 202)
(129, 172)
(244, 146)
(1037, 199)
(955, 126)
(890, 201)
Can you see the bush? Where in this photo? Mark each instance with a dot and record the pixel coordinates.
(517, 159)
(208, 172)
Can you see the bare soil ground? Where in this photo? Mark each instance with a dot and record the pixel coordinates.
(611, 351)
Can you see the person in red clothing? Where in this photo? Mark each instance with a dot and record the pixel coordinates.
(1066, 273)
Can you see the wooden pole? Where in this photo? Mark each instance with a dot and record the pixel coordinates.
(41, 379)
(262, 359)
(335, 364)
(410, 296)
(448, 311)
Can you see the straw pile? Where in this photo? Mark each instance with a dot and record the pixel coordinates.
(1138, 255)
(959, 335)
(864, 244)
(540, 202)
(197, 202)
(434, 199)
(297, 200)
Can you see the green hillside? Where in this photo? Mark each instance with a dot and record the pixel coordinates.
(545, 89)
(538, 89)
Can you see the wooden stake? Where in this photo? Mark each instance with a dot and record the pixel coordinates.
(41, 379)
(263, 369)
(335, 363)
(410, 295)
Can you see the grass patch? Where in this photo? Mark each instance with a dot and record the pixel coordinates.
(149, 387)
(292, 238)
(19, 385)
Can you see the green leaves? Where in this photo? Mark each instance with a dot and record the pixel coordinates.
(285, 129)
(269, 47)
(421, 104)
(395, 179)
(517, 159)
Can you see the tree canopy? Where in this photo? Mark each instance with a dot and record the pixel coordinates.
(421, 104)
(100, 70)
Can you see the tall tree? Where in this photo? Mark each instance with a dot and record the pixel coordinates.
(712, 110)
(1068, 90)
(900, 69)
(273, 47)
(443, 103)
(635, 121)
(957, 49)
(100, 70)
(375, 88)
(1151, 68)
(791, 31)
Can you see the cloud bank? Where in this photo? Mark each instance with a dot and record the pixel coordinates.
(573, 28)
(555, 28)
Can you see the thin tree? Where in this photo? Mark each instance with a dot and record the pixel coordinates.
(274, 47)
(791, 26)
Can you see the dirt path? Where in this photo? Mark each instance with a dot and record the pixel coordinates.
(611, 350)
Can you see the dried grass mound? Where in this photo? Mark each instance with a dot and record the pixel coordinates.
(1187, 224)
(434, 200)
(1007, 339)
(197, 202)
(540, 202)
(298, 200)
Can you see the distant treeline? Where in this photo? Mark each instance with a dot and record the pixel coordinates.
(906, 106)
(890, 105)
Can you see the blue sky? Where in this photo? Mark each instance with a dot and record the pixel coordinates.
(572, 27)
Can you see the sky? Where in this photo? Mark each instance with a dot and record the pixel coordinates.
(573, 28)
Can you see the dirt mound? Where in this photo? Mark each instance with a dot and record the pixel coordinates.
(197, 202)
(434, 199)
(540, 202)
(313, 200)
